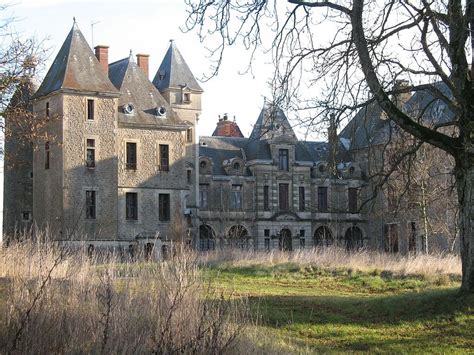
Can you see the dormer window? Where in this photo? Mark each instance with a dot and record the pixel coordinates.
(161, 75)
(203, 165)
(129, 109)
(161, 111)
(186, 97)
(322, 168)
(283, 159)
(236, 166)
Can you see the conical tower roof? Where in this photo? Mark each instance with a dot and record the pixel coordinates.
(75, 68)
(174, 72)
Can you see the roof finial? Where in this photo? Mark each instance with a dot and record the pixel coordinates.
(74, 20)
(171, 40)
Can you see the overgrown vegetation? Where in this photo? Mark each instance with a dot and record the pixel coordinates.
(233, 302)
(57, 302)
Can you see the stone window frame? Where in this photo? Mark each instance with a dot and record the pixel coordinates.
(84, 190)
(86, 109)
(124, 153)
(123, 206)
(157, 155)
(289, 197)
(189, 133)
(96, 150)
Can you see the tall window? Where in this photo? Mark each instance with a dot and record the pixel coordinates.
(266, 234)
(266, 198)
(322, 199)
(164, 157)
(302, 238)
(90, 205)
(46, 155)
(236, 197)
(90, 153)
(203, 191)
(189, 135)
(90, 109)
(189, 176)
(283, 159)
(48, 112)
(131, 156)
(353, 208)
(301, 199)
(131, 206)
(283, 196)
(164, 207)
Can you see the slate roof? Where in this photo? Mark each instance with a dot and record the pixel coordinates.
(136, 89)
(174, 72)
(370, 125)
(76, 68)
(271, 121)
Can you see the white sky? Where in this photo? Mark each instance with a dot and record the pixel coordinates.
(146, 26)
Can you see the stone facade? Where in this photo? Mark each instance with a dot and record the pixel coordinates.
(119, 165)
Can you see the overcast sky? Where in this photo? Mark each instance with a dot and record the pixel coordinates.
(146, 26)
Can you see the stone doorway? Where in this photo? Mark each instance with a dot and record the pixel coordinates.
(285, 242)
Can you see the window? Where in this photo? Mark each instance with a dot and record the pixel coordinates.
(164, 158)
(266, 198)
(266, 234)
(131, 156)
(203, 190)
(283, 198)
(46, 157)
(236, 197)
(302, 238)
(301, 200)
(90, 109)
(131, 206)
(186, 97)
(48, 112)
(322, 199)
(267, 244)
(90, 205)
(283, 159)
(236, 166)
(189, 176)
(164, 207)
(90, 153)
(189, 135)
(353, 208)
(26, 216)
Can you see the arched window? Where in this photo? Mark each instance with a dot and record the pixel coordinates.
(206, 238)
(323, 237)
(353, 238)
(237, 237)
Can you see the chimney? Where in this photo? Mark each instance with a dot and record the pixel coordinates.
(401, 98)
(102, 54)
(142, 61)
(332, 142)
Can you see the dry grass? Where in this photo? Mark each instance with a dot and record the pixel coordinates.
(336, 258)
(57, 302)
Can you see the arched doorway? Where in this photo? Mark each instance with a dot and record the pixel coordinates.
(206, 238)
(285, 242)
(323, 237)
(237, 237)
(353, 238)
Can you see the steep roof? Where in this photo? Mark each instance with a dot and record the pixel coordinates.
(75, 68)
(174, 72)
(371, 126)
(272, 123)
(137, 90)
(226, 128)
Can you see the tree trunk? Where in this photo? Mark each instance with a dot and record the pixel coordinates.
(465, 184)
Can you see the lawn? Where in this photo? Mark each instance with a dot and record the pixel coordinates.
(303, 309)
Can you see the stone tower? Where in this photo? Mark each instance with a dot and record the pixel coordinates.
(75, 167)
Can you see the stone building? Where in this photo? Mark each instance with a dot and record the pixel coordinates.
(119, 165)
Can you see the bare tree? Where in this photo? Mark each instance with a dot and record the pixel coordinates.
(355, 50)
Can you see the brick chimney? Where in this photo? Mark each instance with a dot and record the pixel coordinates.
(401, 98)
(142, 61)
(102, 54)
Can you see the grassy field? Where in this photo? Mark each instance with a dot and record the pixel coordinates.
(232, 302)
(312, 310)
